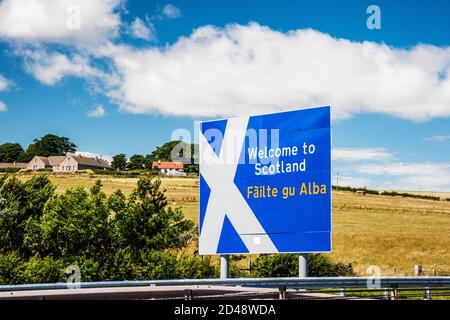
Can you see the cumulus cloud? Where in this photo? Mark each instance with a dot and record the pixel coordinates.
(97, 112)
(3, 107)
(438, 138)
(253, 69)
(170, 11)
(50, 68)
(413, 176)
(377, 168)
(62, 21)
(4, 83)
(358, 154)
(240, 69)
(141, 30)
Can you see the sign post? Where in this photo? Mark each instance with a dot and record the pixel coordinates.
(224, 266)
(265, 185)
(303, 265)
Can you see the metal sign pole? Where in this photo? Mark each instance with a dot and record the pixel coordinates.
(303, 265)
(224, 266)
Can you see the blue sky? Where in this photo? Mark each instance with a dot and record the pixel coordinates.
(137, 70)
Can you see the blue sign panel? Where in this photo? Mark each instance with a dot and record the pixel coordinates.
(265, 183)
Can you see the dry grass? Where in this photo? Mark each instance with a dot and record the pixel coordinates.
(391, 232)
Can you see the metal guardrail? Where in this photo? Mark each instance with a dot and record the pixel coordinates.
(289, 283)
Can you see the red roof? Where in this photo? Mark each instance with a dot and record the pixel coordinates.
(167, 165)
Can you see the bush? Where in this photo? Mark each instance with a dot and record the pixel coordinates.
(122, 264)
(89, 268)
(11, 268)
(286, 265)
(197, 267)
(409, 195)
(351, 189)
(320, 265)
(45, 270)
(159, 265)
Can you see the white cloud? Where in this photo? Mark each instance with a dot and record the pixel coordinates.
(411, 176)
(438, 138)
(171, 12)
(62, 21)
(219, 72)
(50, 68)
(357, 154)
(141, 30)
(254, 69)
(3, 107)
(4, 83)
(97, 112)
(93, 155)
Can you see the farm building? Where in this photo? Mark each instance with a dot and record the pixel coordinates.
(169, 168)
(13, 165)
(73, 163)
(69, 163)
(40, 163)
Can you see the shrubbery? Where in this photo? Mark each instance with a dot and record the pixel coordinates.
(389, 193)
(286, 265)
(351, 189)
(108, 238)
(409, 195)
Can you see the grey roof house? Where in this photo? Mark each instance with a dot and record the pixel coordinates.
(39, 163)
(73, 163)
(69, 163)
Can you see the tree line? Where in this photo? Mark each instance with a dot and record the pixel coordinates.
(185, 152)
(48, 145)
(389, 193)
(53, 145)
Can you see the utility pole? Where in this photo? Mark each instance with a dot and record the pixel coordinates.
(337, 179)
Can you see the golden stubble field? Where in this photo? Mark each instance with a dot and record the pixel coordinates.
(390, 232)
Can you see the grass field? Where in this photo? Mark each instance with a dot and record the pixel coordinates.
(390, 232)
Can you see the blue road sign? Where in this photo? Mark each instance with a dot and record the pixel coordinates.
(265, 183)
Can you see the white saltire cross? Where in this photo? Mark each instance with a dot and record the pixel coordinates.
(225, 198)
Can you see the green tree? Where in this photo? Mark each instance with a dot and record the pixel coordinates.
(10, 152)
(176, 151)
(163, 153)
(72, 224)
(50, 145)
(19, 202)
(136, 162)
(146, 222)
(119, 162)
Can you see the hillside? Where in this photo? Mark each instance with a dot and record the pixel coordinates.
(391, 232)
